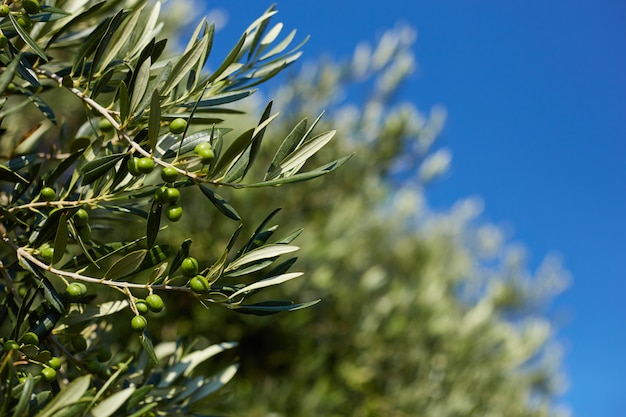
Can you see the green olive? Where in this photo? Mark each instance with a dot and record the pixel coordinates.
(75, 291)
(79, 343)
(24, 21)
(159, 195)
(145, 165)
(169, 174)
(48, 194)
(48, 374)
(155, 303)
(189, 267)
(4, 10)
(178, 125)
(93, 367)
(54, 363)
(174, 212)
(205, 152)
(47, 252)
(81, 217)
(31, 6)
(199, 284)
(142, 306)
(171, 195)
(4, 41)
(138, 323)
(30, 338)
(105, 125)
(104, 354)
(10, 345)
(133, 166)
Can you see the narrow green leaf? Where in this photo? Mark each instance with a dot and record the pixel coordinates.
(155, 256)
(26, 38)
(139, 88)
(213, 384)
(304, 176)
(188, 363)
(219, 99)
(148, 347)
(277, 280)
(21, 409)
(126, 265)
(60, 240)
(89, 312)
(267, 308)
(287, 146)
(230, 58)
(8, 175)
(264, 252)
(7, 75)
(122, 94)
(75, 20)
(182, 253)
(164, 147)
(277, 49)
(229, 157)
(184, 65)
(111, 404)
(154, 222)
(222, 205)
(93, 170)
(68, 395)
(154, 123)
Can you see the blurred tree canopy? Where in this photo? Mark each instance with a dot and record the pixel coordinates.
(424, 312)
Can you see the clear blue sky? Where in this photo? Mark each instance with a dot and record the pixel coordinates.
(536, 99)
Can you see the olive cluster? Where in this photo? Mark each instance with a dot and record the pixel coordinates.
(28, 7)
(152, 303)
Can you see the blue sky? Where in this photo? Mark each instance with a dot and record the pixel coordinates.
(536, 100)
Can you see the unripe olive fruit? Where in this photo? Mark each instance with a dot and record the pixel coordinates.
(10, 345)
(142, 306)
(4, 10)
(155, 303)
(205, 152)
(47, 252)
(81, 217)
(133, 166)
(199, 284)
(178, 125)
(171, 195)
(4, 41)
(48, 374)
(103, 355)
(189, 267)
(174, 212)
(145, 165)
(48, 194)
(31, 6)
(105, 125)
(138, 323)
(75, 291)
(79, 343)
(93, 367)
(30, 338)
(169, 174)
(54, 363)
(159, 195)
(24, 21)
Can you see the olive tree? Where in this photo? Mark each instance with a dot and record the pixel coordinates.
(106, 136)
(424, 312)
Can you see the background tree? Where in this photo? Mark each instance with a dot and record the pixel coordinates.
(424, 312)
(105, 135)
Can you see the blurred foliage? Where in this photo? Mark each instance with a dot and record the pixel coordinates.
(424, 312)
